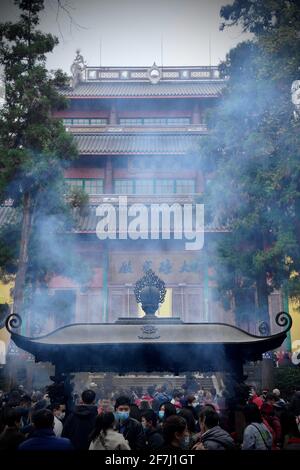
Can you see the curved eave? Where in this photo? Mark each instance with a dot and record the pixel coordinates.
(130, 348)
(111, 335)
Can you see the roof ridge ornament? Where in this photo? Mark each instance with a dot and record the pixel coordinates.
(77, 68)
(154, 74)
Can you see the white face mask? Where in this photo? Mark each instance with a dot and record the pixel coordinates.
(62, 415)
(194, 404)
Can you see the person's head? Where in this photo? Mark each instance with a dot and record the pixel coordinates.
(210, 406)
(25, 401)
(177, 395)
(104, 421)
(135, 412)
(252, 414)
(59, 410)
(149, 420)
(189, 418)
(14, 398)
(144, 405)
(13, 418)
(208, 418)
(40, 405)
(270, 398)
(43, 419)
(122, 408)
(276, 393)
(166, 409)
(88, 397)
(191, 400)
(37, 396)
(175, 431)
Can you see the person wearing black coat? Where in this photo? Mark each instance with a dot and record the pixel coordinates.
(11, 437)
(154, 438)
(80, 423)
(131, 429)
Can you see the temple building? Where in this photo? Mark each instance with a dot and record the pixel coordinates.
(137, 130)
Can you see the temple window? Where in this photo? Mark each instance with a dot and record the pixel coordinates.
(89, 185)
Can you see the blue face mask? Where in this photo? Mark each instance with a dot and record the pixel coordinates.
(161, 414)
(122, 415)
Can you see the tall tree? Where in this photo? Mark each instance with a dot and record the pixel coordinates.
(254, 153)
(34, 147)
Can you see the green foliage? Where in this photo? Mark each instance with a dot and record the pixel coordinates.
(34, 150)
(78, 197)
(252, 154)
(287, 379)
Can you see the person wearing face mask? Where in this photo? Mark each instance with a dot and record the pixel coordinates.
(59, 412)
(166, 409)
(154, 438)
(175, 434)
(193, 406)
(131, 429)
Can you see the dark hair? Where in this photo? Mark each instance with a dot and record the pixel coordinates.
(170, 409)
(25, 399)
(14, 398)
(144, 405)
(88, 396)
(103, 422)
(40, 405)
(188, 416)
(43, 419)
(55, 406)
(177, 393)
(155, 404)
(190, 399)
(122, 401)
(12, 416)
(135, 412)
(209, 417)
(252, 414)
(210, 406)
(171, 425)
(150, 416)
(270, 396)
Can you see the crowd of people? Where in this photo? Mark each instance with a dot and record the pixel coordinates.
(155, 419)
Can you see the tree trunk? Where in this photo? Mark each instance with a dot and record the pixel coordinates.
(262, 300)
(23, 256)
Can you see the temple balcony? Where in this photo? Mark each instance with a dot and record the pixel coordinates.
(95, 199)
(140, 129)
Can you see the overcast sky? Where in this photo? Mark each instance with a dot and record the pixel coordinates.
(132, 31)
